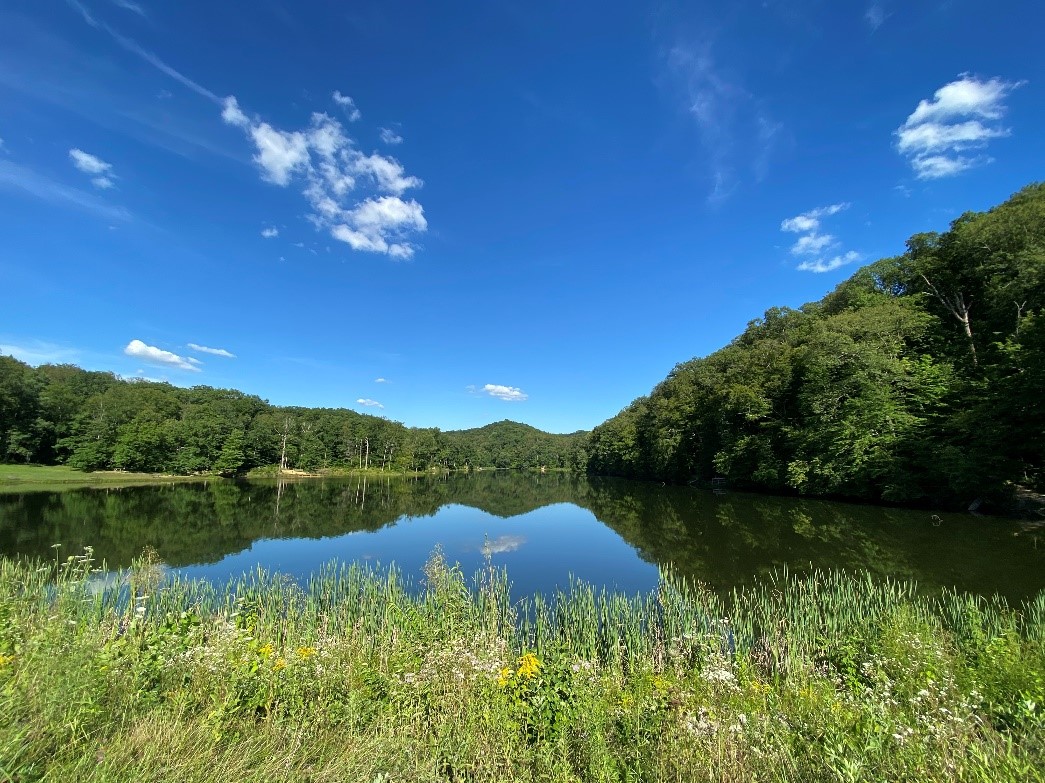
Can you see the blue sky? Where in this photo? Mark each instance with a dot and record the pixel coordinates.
(452, 216)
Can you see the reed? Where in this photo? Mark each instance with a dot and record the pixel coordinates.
(372, 675)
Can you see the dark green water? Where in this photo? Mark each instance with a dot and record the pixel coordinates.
(541, 528)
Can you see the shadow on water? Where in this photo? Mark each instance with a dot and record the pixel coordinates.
(724, 540)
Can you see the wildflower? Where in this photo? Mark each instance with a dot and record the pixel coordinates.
(529, 666)
(279, 665)
(504, 677)
(5, 660)
(266, 650)
(304, 653)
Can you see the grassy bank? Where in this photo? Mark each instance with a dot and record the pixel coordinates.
(363, 676)
(54, 478)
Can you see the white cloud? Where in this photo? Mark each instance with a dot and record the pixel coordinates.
(348, 105)
(389, 136)
(506, 393)
(813, 244)
(92, 164)
(232, 114)
(810, 221)
(280, 153)
(211, 351)
(270, 233)
(87, 163)
(332, 170)
(961, 116)
(153, 355)
(828, 265)
(367, 403)
(380, 380)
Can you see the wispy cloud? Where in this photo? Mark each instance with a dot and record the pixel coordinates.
(132, 46)
(347, 105)
(368, 403)
(153, 355)
(211, 351)
(25, 180)
(332, 171)
(102, 175)
(812, 246)
(389, 136)
(380, 380)
(737, 134)
(961, 117)
(506, 393)
(37, 352)
(829, 264)
(270, 233)
(127, 5)
(875, 16)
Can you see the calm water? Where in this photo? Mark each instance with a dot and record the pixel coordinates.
(541, 528)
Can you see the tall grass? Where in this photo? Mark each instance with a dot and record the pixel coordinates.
(379, 676)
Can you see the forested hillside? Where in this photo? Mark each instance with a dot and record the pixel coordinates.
(919, 378)
(96, 421)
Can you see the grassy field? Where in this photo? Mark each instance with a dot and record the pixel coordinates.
(365, 676)
(23, 478)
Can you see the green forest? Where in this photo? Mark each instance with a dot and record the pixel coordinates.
(918, 379)
(61, 414)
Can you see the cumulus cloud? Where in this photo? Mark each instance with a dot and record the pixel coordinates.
(368, 403)
(270, 233)
(389, 136)
(93, 165)
(812, 244)
(961, 118)
(506, 393)
(356, 197)
(153, 355)
(211, 351)
(347, 105)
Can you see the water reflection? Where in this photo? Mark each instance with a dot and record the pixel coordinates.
(610, 532)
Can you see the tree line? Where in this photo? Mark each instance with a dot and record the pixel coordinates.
(918, 379)
(61, 414)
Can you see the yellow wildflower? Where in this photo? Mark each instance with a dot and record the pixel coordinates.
(279, 665)
(5, 660)
(529, 666)
(266, 650)
(304, 653)
(504, 678)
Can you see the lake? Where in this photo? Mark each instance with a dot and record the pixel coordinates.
(542, 528)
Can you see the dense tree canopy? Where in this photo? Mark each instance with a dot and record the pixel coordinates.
(919, 378)
(96, 421)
